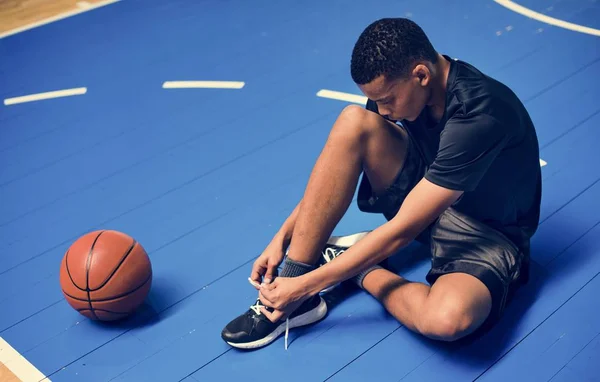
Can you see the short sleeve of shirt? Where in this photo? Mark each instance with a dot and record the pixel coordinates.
(371, 106)
(468, 146)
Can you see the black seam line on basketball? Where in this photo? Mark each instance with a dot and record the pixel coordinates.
(208, 172)
(69, 272)
(536, 327)
(102, 310)
(112, 297)
(87, 273)
(117, 267)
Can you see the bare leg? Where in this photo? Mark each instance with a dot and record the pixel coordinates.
(359, 140)
(455, 306)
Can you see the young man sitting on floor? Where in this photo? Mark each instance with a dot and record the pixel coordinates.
(449, 156)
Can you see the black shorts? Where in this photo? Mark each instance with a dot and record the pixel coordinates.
(459, 243)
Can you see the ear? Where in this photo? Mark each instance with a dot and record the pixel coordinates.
(422, 74)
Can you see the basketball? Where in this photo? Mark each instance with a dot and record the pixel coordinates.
(105, 275)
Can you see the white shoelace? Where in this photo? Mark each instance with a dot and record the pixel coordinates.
(256, 309)
(331, 253)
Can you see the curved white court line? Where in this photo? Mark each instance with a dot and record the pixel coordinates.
(82, 6)
(47, 95)
(547, 19)
(18, 365)
(203, 85)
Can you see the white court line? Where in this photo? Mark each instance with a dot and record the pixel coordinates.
(84, 7)
(331, 94)
(203, 84)
(547, 19)
(362, 100)
(47, 95)
(83, 4)
(18, 365)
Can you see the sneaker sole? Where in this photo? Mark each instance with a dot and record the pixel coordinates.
(307, 318)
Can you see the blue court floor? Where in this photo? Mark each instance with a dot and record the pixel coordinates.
(203, 178)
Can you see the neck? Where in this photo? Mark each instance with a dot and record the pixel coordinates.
(437, 99)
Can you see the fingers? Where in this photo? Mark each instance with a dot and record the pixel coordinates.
(271, 273)
(258, 270)
(274, 316)
(269, 297)
(254, 283)
(271, 286)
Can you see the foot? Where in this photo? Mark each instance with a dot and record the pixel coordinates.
(336, 245)
(253, 329)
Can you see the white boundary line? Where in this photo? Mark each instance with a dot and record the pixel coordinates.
(82, 6)
(349, 97)
(547, 19)
(203, 85)
(18, 365)
(341, 96)
(47, 95)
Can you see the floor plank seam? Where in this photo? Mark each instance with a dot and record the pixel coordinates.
(535, 328)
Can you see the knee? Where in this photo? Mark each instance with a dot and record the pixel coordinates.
(445, 323)
(354, 113)
(351, 123)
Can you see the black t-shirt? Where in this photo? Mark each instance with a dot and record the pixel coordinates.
(485, 145)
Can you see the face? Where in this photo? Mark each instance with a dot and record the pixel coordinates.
(402, 98)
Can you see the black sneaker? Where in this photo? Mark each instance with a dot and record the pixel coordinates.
(336, 245)
(254, 330)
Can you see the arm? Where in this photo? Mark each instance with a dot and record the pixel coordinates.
(265, 266)
(468, 147)
(422, 206)
(284, 235)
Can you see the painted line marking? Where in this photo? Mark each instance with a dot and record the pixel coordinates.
(83, 4)
(340, 96)
(84, 7)
(46, 95)
(203, 85)
(18, 365)
(547, 19)
(331, 94)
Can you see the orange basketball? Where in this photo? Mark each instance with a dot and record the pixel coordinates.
(105, 275)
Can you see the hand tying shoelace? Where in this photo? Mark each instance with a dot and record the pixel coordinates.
(256, 308)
